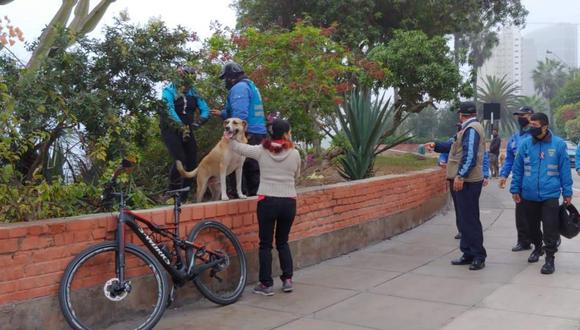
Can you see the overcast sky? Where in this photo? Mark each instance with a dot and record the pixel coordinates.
(32, 15)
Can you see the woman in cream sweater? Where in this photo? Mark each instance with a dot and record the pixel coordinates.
(279, 167)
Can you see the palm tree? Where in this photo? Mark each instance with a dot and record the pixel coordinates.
(537, 103)
(504, 92)
(549, 76)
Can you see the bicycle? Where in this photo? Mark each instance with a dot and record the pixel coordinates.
(119, 283)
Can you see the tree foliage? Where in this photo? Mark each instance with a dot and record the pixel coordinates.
(301, 73)
(499, 90)
(549, 76)
(374, 21)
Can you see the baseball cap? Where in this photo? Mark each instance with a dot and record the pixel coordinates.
(467, 107)
(524, 110)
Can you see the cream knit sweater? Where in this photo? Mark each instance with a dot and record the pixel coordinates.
(277, 171)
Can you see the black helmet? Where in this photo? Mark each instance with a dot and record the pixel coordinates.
(569, 221)
(185, 70)
(231, 70)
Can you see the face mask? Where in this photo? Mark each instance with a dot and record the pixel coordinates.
(229, 83)
(523, 121)
(535, 131)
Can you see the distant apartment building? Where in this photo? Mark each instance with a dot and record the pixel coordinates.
(558, 42)
(506, 59)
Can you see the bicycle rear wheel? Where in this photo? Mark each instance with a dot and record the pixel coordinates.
(90, 297)
(224, 283)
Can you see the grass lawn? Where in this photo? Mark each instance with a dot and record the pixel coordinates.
(402, 163)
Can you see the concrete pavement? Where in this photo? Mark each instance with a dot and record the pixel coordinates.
(407, 283)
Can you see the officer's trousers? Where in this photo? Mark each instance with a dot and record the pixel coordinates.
(546, 213)
(522, 226)
(471, 243)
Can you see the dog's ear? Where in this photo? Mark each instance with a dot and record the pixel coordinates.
(226, 122)
(245, 124)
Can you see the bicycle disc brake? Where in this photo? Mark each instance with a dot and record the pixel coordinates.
(113, 292)
(224, 263)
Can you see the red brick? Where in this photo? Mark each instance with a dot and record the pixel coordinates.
(40, 281)
(81, 224)
(38, 230)
(233, 208)
(56, 228)
(57, 265)
(221, 209)
(198, 212)
(8, 245)
(17, 232)
(36, 242)
(243, 206)
(227, 221)
(99, 234)
(210, 210)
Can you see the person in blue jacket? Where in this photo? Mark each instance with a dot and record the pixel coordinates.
(577, 159)
(540, 175)
(177, 122)
(523, 116)
(465, 168)
(245, 102)
(443, 157)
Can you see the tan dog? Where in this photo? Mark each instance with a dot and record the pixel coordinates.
(220, 162)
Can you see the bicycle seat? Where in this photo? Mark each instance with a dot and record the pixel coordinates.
(177, 191)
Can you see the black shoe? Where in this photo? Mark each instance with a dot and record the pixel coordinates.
(535, 255)
(548, 267)
(521, 247)
(477, 265)
(458, 236)
(461, 261)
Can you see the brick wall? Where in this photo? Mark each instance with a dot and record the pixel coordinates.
(33, 255)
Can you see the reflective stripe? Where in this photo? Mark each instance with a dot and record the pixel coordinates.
(553, 173)
(527, 159)
(553, 167)
(527, 173)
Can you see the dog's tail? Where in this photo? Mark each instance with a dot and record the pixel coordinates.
(183, 172)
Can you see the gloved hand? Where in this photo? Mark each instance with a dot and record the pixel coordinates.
(199, 123)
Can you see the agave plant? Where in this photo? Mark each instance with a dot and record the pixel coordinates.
(367, 126)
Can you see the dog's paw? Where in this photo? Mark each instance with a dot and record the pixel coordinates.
(242, 196)
(225, 198)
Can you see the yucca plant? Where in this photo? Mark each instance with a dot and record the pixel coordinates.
(367, 125)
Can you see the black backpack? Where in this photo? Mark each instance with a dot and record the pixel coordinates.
(569, 221)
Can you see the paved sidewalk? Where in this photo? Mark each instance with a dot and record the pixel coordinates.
(407, 283)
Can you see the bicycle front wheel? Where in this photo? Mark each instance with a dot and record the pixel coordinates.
(91, 296)
(223, 283)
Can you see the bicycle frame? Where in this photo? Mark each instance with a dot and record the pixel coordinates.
(180, 272)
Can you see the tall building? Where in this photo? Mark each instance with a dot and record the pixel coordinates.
(558, 42)
(505, 60)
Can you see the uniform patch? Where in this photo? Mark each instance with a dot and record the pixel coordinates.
(552, 152)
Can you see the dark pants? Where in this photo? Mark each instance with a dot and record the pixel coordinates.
(546, 213)
(453, 198)
(522, 225)
(184, 151)
(471, 243)
(275, 214)
(494, 164)
(250, 172)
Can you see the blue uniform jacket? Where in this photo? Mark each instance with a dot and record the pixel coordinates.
(470, 144)
(541, 170)
(245, 102)
(169, 94)
(578, 158)
(511, 150)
